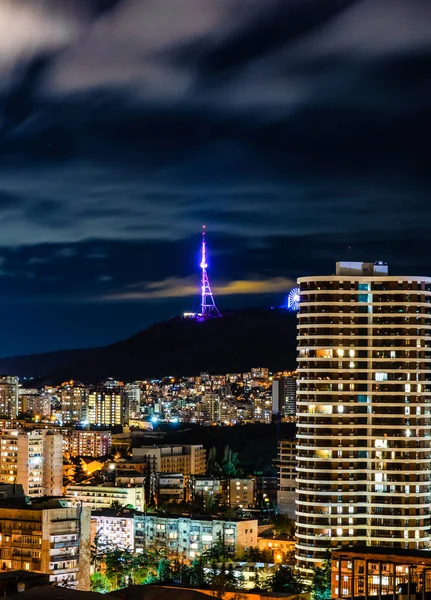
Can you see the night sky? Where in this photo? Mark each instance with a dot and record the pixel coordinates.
(294, 129)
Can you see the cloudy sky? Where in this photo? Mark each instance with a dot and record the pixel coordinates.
(294, 129)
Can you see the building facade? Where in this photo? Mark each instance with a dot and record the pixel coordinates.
(369, 572)
(106, 407)
(117, 529)
(98, 497)
(168, 487)
(284, 396)
(33, 459)
(89, 443)
(9, 396)
(286, 477)
(188, 460)
(47, 538)
(74, 402)
(188, 537)
(363, 415)
(239, 491)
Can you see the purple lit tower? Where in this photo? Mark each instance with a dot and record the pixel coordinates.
(208, 306)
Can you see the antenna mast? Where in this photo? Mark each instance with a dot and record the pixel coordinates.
(208, 306)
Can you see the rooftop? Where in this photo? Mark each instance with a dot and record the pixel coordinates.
(383, 551)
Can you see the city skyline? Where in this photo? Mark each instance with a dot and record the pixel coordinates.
(297, 132)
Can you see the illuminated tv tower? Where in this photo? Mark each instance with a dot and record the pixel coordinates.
(208, 306)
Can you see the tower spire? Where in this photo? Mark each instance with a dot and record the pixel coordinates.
(208, 306)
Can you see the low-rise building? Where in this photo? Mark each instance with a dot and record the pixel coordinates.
(380, 571)
(240, 491)
(102, 496)
(278, 544)
(113, 527)
(200, 486)
(168, 487)
(188, 537)
(47, 537)
(186, 459)
(129, 477)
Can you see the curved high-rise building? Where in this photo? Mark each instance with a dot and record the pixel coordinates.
(363, 411)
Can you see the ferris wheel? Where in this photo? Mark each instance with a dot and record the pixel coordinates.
(293, 299)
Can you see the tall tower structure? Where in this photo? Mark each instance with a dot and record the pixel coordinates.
(208, 306)
(363, 411)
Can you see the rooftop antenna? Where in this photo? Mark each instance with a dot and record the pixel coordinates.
(208, 306)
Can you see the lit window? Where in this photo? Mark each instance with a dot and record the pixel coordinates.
(380, 376)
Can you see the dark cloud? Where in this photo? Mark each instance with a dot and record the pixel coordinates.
(294, 129)
(274, 27)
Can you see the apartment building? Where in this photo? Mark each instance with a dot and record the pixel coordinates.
(239, 491)
(100, 496)
(262, 409)
(363, 400)
(33, 459)
(114, 528)
(380, 572)
(89, 443)
(106, 406)
(46, 537)
(188, 459)
(199, 486)
(284, 396)
(74, 402)
(9, 396)
(34, 402)
(286, 477)
(188, 537)
(168, 487)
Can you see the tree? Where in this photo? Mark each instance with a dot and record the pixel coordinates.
(283, 524)
(218, 551)
(164, 571)
(79, 473)
(197, 573)
(230, 462)
(255, 554)
(99, 548)
(115, 505)
(213, 467)
(261, 583)
(232, 581)
(210, 503)
(99, 583)
(119, 564)
(287, 580)
(321, 581)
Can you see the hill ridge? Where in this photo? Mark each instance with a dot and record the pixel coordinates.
(179, 346)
